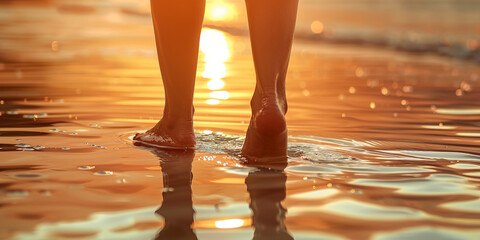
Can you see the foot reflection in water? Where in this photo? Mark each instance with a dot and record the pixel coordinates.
(266, 187)
(177, 206)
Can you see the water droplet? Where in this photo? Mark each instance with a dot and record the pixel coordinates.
(306, 93)
(407, 89)
(329, 185)
(341, 97)
(73, 133)
(103, 173)
(395, 114)
(344, 115)
(465, 86)
(433, 107)
(122, 181)
(372, 105)
(384, 91)
(54, 130)
(440, 124)
(352, 90)
(93, 125)
(12, 113)
(168, 189)
(404, 102)
(207, 132)
(359, 72)
(316, 27)
(65, 148)
(87, 167)
(38, 147)
(459, 92)
(408, 108)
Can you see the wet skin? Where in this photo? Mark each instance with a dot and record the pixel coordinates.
(177, 27)
(265, 184)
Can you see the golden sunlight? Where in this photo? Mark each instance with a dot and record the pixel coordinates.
(215, 84)
(214, 45)
(229, 223)
(220, 11)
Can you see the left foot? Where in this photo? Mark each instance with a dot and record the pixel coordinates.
(177, 134)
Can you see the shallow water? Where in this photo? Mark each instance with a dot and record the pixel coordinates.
(383, 144)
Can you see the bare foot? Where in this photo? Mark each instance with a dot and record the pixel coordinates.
(175, 134)
(266, 138)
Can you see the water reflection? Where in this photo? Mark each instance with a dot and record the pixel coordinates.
(177, 207)
(266, 187)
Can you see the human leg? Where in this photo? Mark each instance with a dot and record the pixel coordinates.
(177, 26)
(272, 24)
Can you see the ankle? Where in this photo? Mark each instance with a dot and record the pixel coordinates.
(270, 101)
(174, 114)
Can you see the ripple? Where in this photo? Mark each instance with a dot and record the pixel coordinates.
(86, 167)
(103, 173)
(436, 184)
(424, 233)
(436, 155)
(28, 175)
(467, 206)
(317, 194)
(463, 111)
(18, 193)
(361, 210)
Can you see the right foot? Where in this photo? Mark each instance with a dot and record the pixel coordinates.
(178, 134)
(266, 139)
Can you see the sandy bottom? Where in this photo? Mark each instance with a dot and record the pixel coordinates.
(383, 145)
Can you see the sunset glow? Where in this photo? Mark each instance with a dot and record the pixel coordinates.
(220, 11)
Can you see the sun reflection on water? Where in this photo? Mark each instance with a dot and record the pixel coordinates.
(229, 223)
(214, 45)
